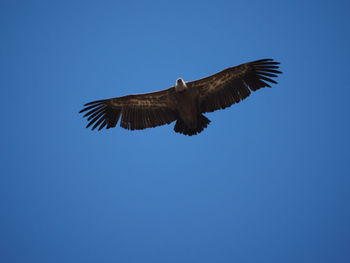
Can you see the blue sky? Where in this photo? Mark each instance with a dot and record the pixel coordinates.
(267, 181)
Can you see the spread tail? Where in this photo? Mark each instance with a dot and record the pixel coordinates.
(181, 127)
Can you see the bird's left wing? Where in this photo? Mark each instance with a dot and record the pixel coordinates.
(234, 84)
(137, 112)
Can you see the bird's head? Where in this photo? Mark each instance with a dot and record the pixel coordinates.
(180, 81)
(180, 84)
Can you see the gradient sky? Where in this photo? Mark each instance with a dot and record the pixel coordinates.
(267, 181)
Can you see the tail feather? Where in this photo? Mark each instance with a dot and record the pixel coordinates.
(181, 127)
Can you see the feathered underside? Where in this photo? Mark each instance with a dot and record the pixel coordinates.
(215, 92)
(234, 84)
(136, 112)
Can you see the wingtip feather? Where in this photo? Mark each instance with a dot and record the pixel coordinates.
(93, 102)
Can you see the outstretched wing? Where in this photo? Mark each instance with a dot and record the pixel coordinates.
(137, 112)
(234, 84)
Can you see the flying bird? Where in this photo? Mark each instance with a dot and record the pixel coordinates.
(185, 102)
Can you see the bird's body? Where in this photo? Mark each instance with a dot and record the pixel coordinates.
(185, 102)
(187, 106)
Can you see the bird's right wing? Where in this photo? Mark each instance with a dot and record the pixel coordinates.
(137, 112)
(234, 84)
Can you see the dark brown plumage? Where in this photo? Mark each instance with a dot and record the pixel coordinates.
(184, 103)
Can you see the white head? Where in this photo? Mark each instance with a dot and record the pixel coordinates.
(180, 84)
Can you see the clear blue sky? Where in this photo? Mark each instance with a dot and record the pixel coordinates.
(267, 181)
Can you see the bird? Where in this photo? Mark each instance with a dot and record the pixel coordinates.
(185, 102)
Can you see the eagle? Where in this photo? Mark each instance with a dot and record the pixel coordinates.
(185, 102)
